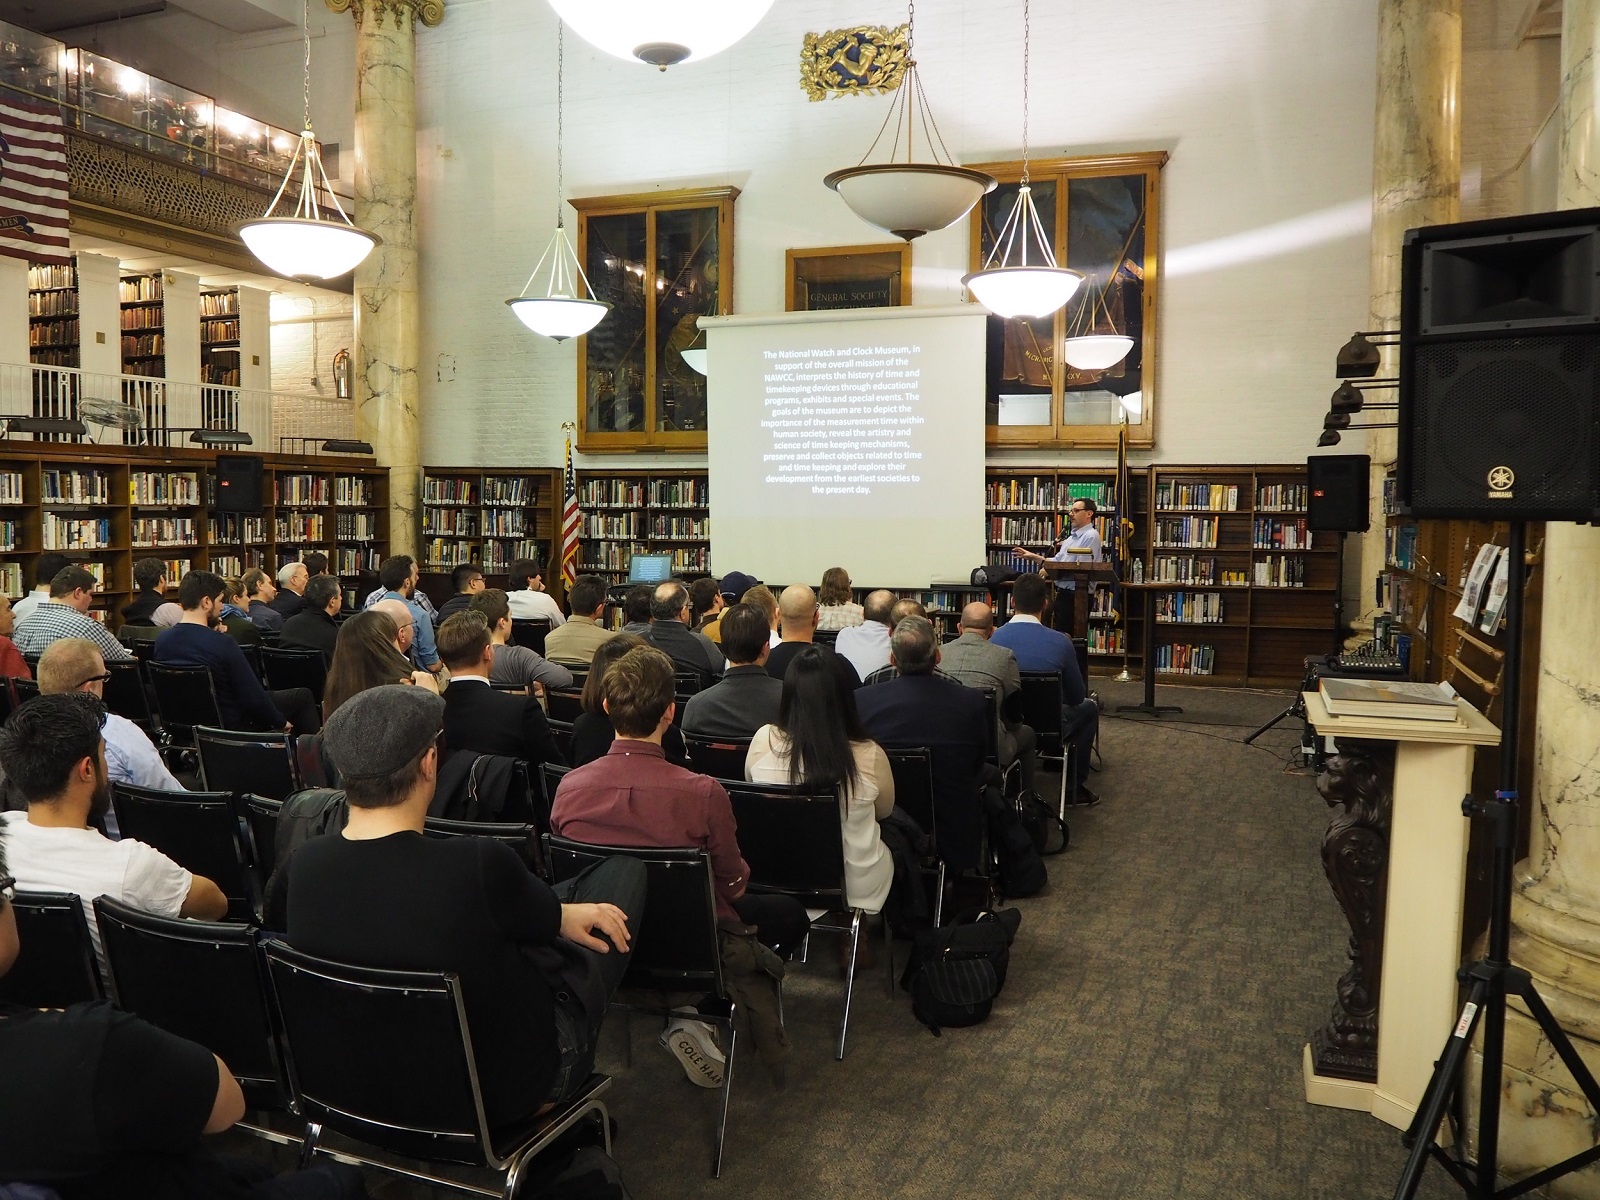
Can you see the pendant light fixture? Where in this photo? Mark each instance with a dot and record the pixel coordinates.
(557, 311)
(1094, 351)
(1011, 283)
(312, 242)
(662, 33)
(909, 199)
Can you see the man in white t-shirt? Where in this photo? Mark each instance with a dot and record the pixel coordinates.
(52, 752)
(526, 595)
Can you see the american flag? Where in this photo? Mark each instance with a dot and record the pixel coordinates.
(33, 183)
(569, 525)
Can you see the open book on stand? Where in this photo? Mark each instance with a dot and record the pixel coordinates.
(1387, 698)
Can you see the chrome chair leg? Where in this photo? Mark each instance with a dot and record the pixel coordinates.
(308, 1147)
(727, 1088)
(938, 902)
(849, 981)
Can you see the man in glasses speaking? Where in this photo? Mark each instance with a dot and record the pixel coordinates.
(1082, 544)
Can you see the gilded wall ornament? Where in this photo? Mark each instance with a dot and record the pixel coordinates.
(429, 12)
(866, 60)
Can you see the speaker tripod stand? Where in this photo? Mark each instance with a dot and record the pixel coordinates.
(1493, 980)
(1298, 708)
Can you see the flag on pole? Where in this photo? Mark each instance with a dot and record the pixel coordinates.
(569, 524)
(33, 183)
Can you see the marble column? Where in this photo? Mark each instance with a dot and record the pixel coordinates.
(1416, 180)
(388, 412)
(1556, 905)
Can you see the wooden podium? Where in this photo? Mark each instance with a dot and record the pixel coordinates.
(1083, 574)
(1417, 999)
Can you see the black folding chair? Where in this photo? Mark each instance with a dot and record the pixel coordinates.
(252, 655)
(199, 831)
(825, 637)
(8, 699)
(26, 689)
(563, 705)
(201, 980)
(912, 768)
(260, 817)
(56, 966)
(1041, 709)
(688, 683)
(341, 1026)
(285, 669)
(530, 632)
(721, 758)
(561, 735)
(240, 761)
(675, 948)
(523, 837)
(514, 689)
(550, 775)
(125, 695)
(793, 842)
(185, 699)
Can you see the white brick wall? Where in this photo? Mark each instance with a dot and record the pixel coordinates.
(306, 334)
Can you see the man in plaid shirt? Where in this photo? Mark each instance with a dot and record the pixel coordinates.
(65, 615)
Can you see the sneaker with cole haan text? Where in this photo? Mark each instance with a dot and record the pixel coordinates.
(694, 1046)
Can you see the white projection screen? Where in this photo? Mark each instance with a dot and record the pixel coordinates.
(851, 439)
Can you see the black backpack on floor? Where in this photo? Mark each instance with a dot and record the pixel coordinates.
(1045, 827)
(1020, 872)
(957, 970)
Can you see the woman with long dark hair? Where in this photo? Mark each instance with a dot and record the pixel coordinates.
(365, 656)
(592, 732)
(819, 741)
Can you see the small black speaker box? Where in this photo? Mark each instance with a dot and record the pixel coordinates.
(1338, 485)
(1499, 417)
(238, 483)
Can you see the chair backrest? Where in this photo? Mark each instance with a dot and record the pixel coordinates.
(197, 830)
(341, 1025)
(912, 768)
(522, 837)
(284, 669)
(550, 775)
(825, 637)
(561, 735)
(26, 689)
(687, 683)
(56, 966)
(792, 840)
(260, 817)
(530, 632)
(252, 655)
(512, 689)
(563, 705)
(125, 695)
(233, 760)
(991, 740)
(1041, 708)
(185, 698)
(721, 758)
(676, 947)
(8, 698)
(201, 980)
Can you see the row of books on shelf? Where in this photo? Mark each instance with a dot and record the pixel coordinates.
(505, 522)
(163, 531)
(611, 493)
(1026, 531)
(356, 526)
(499, 555)
(216, 374)
(1200, 532)
(352, 490)
(299, 527)
(53, 275)
(141, 318)
(54, 333)
(11, 487)
(220, 331)
(1286, 570)
(687, 528)
(1106, 639)
(236, 528)
(43, 357)
(63, 485)
(1198, 497)
(219, 304)
(301, 489)
(454, 522)
(1176, 658)
(146, 344)
(678, 493)
(177, 568)
(1189, 608)
(1186, 568)
(1282, 497)
(1391, 495)
(1400, 546)
(351, 560)
(436, 490)
(164, 487)
(448, 553)
(1040, 492)
(1270, 534)
(75, 533)
(52, 304)
(11, 580)
(600, 525)
(134, 288)
(509, 491)
(9, 532)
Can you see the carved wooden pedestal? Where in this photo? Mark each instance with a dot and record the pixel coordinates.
(1358, 784)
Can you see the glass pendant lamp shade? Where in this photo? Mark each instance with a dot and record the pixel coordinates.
(695, 357)
(556, 310)
(910, 199)
(1023, 291)
(661, 32)
(307, 248)
(1096, 352)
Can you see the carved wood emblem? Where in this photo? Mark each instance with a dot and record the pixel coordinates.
(866, 60)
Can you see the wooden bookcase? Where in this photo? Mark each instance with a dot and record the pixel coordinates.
(108, 507)
(644, 512)
(491, 516)
(143, 325)
(53, 315)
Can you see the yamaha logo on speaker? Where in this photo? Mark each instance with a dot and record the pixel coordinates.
(1501, 480)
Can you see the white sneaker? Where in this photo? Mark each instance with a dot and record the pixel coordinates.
(694, 1045)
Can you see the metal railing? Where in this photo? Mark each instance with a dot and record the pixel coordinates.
(133, 410)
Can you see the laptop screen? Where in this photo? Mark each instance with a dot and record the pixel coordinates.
(650, 568)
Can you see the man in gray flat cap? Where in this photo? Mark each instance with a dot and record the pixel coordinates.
(537, 967)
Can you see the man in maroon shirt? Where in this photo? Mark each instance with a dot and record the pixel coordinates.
(635, 797)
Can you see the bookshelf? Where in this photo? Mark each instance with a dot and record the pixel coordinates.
(219, 357)
(144, 350)
(53, 315)
(491, 516)
(628, 512)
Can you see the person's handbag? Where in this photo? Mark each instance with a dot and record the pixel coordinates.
(957, 970)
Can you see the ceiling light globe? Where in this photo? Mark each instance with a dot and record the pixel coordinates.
(661, 32)
(910, 199)
(1096, 352)
(1023, 291)
(558, 317)
(302, 248)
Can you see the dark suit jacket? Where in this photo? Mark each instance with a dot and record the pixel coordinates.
(688, 651)
(309, 629)
(949, 719)
(286, 603)
(745, 700)
(480, 719)
(784, 653)
(142, 608)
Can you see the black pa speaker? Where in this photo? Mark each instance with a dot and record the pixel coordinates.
(1499, 417)
(238, 483)
(1338, 485)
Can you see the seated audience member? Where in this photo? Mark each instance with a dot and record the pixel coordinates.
(519, 665)
(367, 655)
(635, 797)
(12, 664)
(467, 581)
(167, 615)
(52, 751)
(259, 593)
(670, 633)
(592, 732)
(314, 627)
(527, 597)
(292, 578)
(705, 602)
(732, 589)
(761, 596)
(537, 966)
(241, 700)
(66, 615)
(150, 576)
(1037, 647)
(901, 609)
(747, 697)
(838, 609)
(48, 567)
(866, 645)
(582, 634)
(75, 665)
(976, 661)
(818, 740)
(477, 718)
(419, 597)
(918, 708)
(399, 576)
(636, 609)
(316, 563)
(797, 625)
(236, 615)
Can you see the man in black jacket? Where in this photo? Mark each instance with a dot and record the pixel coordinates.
(747, 698)
(467, 579)
(313, 627)
(670, 633)
(292, 580)
(476, 717)
(151, 576)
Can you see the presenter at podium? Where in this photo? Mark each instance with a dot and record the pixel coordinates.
(1082, 544)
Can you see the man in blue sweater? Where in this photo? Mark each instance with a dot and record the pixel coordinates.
(1040, 648)
(196, 641)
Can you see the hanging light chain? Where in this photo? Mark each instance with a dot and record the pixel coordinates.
(561, 61)
(305, 25)
(1027, 38)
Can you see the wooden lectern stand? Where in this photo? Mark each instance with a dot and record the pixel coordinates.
(1418, 1001)
(1083, 574)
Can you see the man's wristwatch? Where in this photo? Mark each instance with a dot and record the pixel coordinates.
(8, 887)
